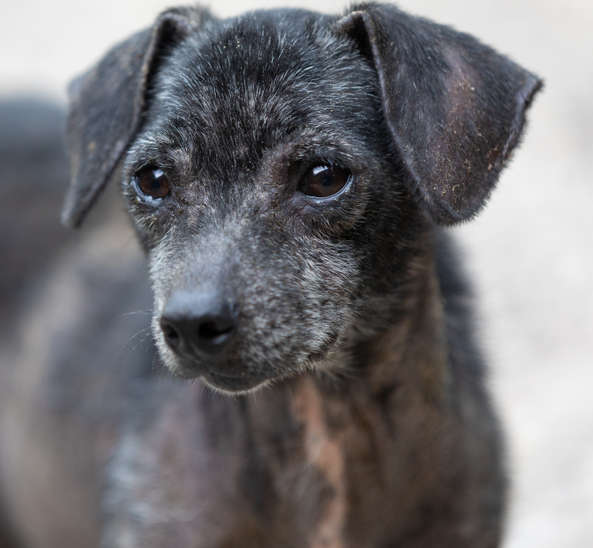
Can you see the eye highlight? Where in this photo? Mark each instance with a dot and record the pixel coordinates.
(324, 180)
(151, 183)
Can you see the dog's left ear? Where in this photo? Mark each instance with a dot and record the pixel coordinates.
(455, 108)
(106, 105)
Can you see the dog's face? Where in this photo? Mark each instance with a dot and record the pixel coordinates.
(269, 162)
(282, 170)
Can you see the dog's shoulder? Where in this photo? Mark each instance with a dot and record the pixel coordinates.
(458, 301)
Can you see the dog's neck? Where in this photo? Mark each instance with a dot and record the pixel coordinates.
(412, 351)
(382, 421)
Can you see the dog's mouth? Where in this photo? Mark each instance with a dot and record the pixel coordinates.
(232, 383)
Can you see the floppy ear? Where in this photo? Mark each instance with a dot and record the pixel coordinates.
(455, 108)
(106, 105)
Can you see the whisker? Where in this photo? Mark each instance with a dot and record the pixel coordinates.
(136, 313)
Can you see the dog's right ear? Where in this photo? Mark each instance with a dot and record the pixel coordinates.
(454, 108)
(106, 104)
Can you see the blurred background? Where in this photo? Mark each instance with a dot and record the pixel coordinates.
(530, 253)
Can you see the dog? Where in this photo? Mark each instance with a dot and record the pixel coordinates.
(289, 176)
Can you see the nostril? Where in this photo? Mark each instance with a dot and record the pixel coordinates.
(212, 331)
(170, 333)
(215, 333)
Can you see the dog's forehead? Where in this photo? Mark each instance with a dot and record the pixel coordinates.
(258, 76)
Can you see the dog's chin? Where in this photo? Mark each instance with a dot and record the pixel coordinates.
(219, 381)
(233, 385)
(232, 378)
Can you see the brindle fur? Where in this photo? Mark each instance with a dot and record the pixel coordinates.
(372, 427)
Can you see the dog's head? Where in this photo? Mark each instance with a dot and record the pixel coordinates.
(281, 168)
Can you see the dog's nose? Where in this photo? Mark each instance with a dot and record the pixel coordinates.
(195, 324)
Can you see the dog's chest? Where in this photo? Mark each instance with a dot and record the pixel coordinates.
(293, 468)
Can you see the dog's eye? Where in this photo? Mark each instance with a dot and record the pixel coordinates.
(151, 182)
(324, 180)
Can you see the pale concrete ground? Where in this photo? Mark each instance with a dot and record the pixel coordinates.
(530, 253)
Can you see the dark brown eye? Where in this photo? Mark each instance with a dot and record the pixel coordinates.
(324, 180)
(151, 182)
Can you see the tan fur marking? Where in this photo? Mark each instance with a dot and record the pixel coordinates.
(324, 452)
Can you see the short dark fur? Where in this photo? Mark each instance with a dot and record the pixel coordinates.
(377, 430)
